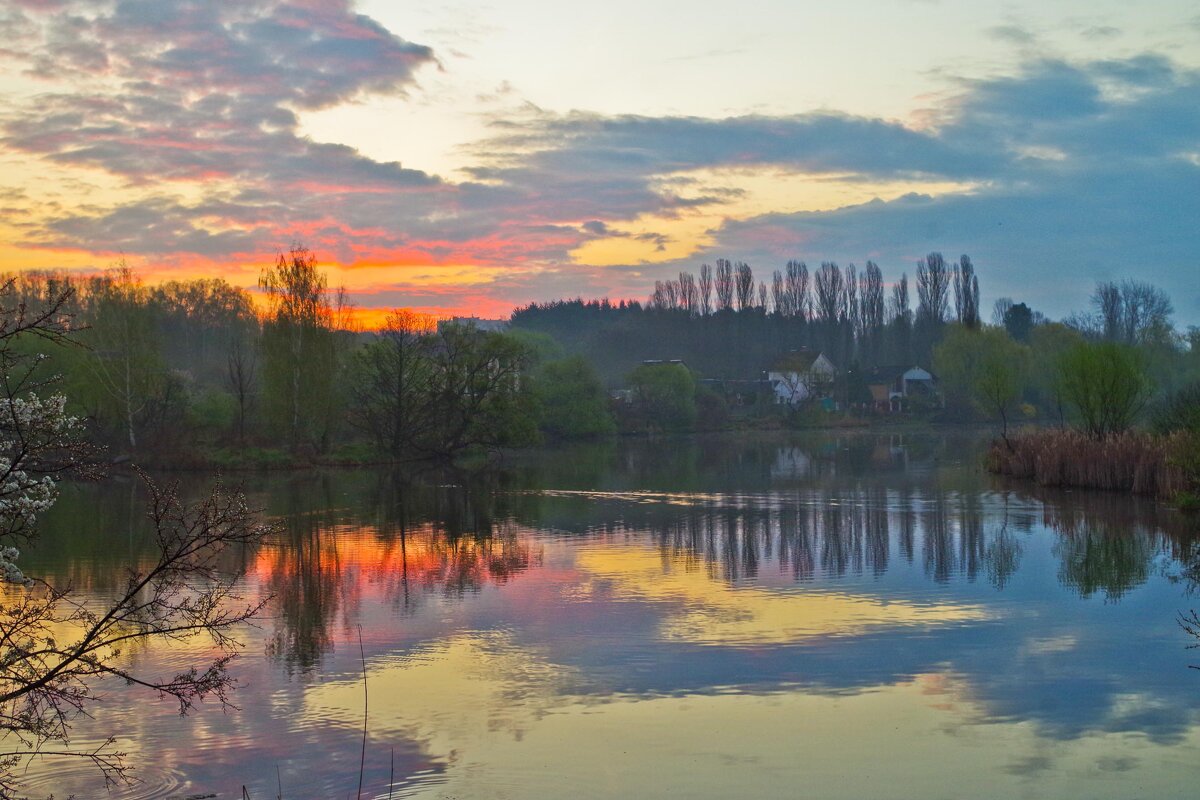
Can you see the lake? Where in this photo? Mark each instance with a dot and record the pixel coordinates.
(857, 616)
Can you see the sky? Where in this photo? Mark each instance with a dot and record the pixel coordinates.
(470, 158)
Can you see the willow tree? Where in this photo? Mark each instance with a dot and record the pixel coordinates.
(1106, 385)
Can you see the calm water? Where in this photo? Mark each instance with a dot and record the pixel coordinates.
(853, 617)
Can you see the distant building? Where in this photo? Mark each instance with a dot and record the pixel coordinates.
(801, 375)
(892, 387)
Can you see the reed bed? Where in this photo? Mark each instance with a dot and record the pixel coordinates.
(1140, 463)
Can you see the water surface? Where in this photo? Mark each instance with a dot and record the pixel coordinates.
(826, 617)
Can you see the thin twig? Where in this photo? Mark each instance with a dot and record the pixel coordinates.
(363, 760)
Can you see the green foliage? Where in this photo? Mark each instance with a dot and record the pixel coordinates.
(1185, 454)
(1047, 344)
(571, 400)
(480, 391)
(1179, 412)
(301, 351)
(712, 411)
(420, 394)
(1188, 501)
(1018, 321)
(985, 368)
(1094, 562)
(1106, 386)
(542, 347)
(126, 359)
(212, 411)
(664, 397)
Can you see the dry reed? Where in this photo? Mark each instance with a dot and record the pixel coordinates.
(1139, 463)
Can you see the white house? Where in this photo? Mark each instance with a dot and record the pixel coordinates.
(801, 375)
(891, 386)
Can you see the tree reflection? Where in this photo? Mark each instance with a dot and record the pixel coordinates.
(1108, 542)
(830, 533)
(396, 538)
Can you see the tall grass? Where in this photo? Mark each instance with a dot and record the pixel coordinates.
(1140, 463)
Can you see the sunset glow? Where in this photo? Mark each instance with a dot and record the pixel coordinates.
(433, 158)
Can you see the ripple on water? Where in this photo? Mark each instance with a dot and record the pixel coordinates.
(66, 777)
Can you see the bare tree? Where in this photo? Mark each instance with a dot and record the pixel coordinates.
(672, 294)
(852, 311)
(744, 283)
(872, 301)
(687, 293)
(659, 298)
(242, 376)
(830, 292)
(393, 376)
(966, 293)
(1131, 312)
(53, 644)
(797, 288)
(898, 307)
(46, 675)
(762, 296)
(779, 296)
(1000, 309)
(706, 285)
(1109, 309)
(933, 286)
(724, 284)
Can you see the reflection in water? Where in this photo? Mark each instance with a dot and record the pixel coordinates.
(659, 619)
(715, 613)
(822, 534)
(420, 539)
(1109, 543)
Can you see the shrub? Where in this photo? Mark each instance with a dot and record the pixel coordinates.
(1179, 412)
(1106, 385)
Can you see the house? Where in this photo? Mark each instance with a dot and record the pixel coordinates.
(893, 387)
(801, 375)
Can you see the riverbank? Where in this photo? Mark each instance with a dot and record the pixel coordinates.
(1165, 467)
(255, 457)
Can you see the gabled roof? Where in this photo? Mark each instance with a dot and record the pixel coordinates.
(889, 372)
(796, 361)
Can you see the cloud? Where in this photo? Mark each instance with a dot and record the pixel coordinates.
(194, 107)
(643, 146)
(1014, 34)
(1101, 32)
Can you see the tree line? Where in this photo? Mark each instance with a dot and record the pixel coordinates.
(725, 323)
(189, 366)
(1105, 369)
(156, 370)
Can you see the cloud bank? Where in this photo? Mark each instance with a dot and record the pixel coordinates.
(188, 111)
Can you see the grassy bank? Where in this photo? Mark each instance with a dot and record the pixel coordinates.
(1165, 467)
